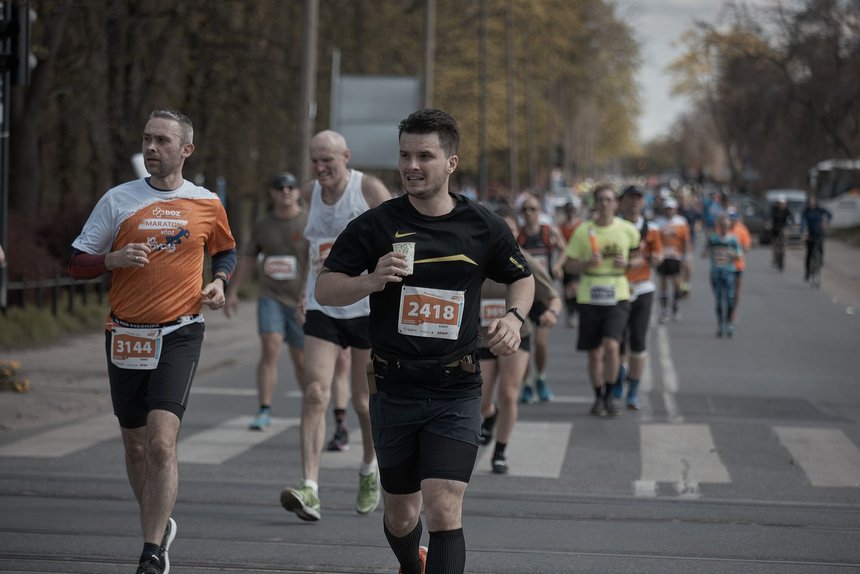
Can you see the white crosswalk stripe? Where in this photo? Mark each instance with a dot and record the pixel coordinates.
(826, 455)
(537, 449)
(65, 440)
(231, 438)
(682, 457)
(681, 454)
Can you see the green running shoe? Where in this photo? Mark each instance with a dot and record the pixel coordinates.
(368, 493)
(303, 501)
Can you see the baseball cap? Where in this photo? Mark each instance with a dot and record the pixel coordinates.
(633, 190)
(670, 203)
(285, 179)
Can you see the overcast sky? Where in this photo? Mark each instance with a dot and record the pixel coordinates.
(658, 25)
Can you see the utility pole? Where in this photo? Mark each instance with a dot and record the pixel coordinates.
(309, 82)
(429, 53)
(514, 159)
(482, 100)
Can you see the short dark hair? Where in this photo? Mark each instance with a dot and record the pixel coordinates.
(601, 187)
(430, 121)
(185, 125)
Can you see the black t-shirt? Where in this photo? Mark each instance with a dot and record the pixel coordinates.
(433, 313)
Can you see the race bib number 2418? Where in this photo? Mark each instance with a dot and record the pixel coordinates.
(435, 313)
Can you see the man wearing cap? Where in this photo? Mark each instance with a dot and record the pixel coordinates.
(279, 237)
(634, 342)
(675, 234)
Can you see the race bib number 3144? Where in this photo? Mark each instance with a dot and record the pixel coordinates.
(435, 313)
(137, 349)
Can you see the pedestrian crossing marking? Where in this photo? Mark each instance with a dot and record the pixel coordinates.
(536, 449)
(231, 438)
(681, 454)
(65, 440)
(826, 455)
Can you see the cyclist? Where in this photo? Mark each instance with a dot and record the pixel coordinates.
(813, 225)
(780, 218)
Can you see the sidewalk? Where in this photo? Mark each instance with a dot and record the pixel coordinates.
(69, 380)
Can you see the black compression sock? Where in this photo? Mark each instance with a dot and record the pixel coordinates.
(405, 548)
(447, 552)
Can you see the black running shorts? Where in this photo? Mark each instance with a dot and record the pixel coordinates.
(597, 322)
(416, 439)
(353, 333)
(669, 267)
(134, 393)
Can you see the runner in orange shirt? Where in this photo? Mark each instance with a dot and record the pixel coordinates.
(151, 234)
(740, 231)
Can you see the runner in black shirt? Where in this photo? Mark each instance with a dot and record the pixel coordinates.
(424, 332)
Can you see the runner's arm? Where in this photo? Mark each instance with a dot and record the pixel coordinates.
(339, 289)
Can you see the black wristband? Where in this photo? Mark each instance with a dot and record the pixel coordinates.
(516, 313)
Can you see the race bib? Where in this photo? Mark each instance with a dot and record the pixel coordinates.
(319, 250)
(603, 295)
(492, 309)
(435, 313)
(281, 267)
(722, 256)
(137, 349)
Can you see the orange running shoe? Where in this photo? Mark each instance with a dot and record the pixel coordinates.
(422, 556)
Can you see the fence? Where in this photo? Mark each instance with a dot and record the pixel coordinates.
(39, 293)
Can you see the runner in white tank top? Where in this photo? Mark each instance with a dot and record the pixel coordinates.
(337, 195)
(325, 222)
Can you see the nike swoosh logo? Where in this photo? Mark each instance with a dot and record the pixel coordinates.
(399, 234)
(446, 259)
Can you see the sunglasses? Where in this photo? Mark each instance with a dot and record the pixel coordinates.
(285, 187)
(525, 209)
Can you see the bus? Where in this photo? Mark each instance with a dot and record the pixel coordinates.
(836, 185)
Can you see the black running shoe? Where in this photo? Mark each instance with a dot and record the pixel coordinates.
(152, 565)
(166, 541)
(340, 440)
(487, 429)
(611, 409)
(500, 465)
(597, 409)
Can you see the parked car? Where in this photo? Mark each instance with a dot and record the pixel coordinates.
(796, 200)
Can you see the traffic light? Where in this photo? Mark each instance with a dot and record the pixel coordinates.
(15, 56)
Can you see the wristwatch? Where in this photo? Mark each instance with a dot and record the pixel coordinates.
(516, 313)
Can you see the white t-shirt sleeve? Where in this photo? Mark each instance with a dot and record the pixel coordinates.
(98, 233)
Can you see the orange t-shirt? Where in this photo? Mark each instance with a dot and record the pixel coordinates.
(741, 231)
(177, 226)
(650, 247)
(676, 237)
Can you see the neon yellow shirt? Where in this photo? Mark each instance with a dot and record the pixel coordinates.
(604, 284)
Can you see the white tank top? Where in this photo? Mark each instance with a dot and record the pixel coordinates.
(325, 223)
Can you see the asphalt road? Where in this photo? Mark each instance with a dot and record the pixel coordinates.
(745, 458)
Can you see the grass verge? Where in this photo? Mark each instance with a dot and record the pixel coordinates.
(36, 327)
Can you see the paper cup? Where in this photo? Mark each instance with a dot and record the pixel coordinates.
(407, 249)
